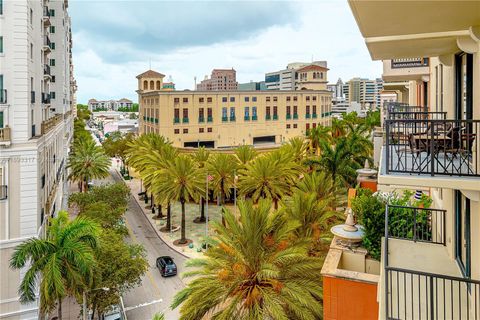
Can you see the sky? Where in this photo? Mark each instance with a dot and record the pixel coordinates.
(115, 40)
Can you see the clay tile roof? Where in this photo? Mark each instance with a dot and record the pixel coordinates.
(151, 74)
(312, 67)
(125, 100)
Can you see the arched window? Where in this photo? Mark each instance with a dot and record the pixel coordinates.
(152, 85)
(145, 85)
(321, 75)
(158, 84)
(314, 75)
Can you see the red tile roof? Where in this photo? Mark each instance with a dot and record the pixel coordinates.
(151, 74)
(313, 67)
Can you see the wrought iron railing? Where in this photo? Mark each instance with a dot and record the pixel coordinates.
(417, 115)
(46, 70)
(434, 147)
(415, 224)
(421, 295)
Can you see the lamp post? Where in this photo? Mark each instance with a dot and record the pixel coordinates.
(84, 300)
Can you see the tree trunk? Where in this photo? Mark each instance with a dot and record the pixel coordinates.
(160, 212)
(59, 309)
(93, 311)
(222, 201)
(183, 238)
(169, 217)
(202, 212)
(275, 203)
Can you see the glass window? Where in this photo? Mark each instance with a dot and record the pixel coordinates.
(254, 111)
(209, 99)
(185, 113)
(307, 108)
(201, 100)
(295, 126)
(232, 112)
(254, 99)
(1, 6)
(52, 45)
(462, 232)
(201, 130)
(52, 29)
(247, 99)
(295, 109)
(314, 109)
(224, 99)
(267, 111)
(288, 109)
(176, 131)
(185, 100)
(288, 126)
(1, 44)
(176, 100)
(52, 95)
(247, 112)
(209, 129)
(52, 62)
(224, 112)
(209, 112)
(232, 99)
(275, 111)
(185, 130)
(52, 12)
(176, 113)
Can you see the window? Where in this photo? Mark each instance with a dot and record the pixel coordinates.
(201, 115)
(52, 29)
(52, 95)
(254, 99)
(267, 99)
(185, 114)
(53, 78)
(176, 115)
(52, 12)
(295, 109)
(201, 130)
(52, 62)
(232, 114)
(176, 131)
(275, 99)
(275, 112)
(314, 125)
(52, 45)
(307, 111)
(209, 129)
(232, 99)
(295, 126)
(307, 98)
(288, 126)
(185, 100)
(1, 6)
(267, 113)
(176, 100)
(288, 98)
(288, 110)
(185, 130)
(247, 99)
(462, 233)
(247, 113)
(31, 17)
(307, 126)
(209, 99)
(224, 114)
(314, 98)
(1, 44)
(201, 100)
(31, 51)
(224, 99)
(254, 113)
(295, 98)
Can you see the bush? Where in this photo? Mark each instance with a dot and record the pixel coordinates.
(115, 195)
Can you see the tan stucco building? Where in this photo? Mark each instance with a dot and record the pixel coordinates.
(433, 274)
(229, 118)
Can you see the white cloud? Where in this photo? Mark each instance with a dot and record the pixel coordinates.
(326, 30)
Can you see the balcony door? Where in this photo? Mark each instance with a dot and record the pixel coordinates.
(464, 86)
(462, 233)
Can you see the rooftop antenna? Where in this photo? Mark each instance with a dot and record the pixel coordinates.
(195, 83)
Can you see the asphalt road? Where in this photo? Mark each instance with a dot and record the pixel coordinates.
(155, 294)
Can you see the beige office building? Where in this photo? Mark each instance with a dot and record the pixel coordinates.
(432, 273)
(229, 118)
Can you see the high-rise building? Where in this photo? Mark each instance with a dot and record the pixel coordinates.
(220, 80)
(363, 91)
(229, 118)
(252, 86)
(37, 96)
(294, 77)
(337, 91)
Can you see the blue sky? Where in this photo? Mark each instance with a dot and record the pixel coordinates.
(116, 40)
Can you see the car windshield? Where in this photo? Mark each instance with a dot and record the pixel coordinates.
(168, 260)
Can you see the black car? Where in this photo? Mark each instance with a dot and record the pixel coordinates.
(166, 266)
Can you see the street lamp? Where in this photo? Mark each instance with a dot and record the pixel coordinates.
(84, 302)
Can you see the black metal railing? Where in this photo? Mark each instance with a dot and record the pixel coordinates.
(416, 224)
(46, 70)
(3, 192)
(45, 98)
(46, 41)
(3, 96)
(416, 115)
(46, 12)
(434, 147)
(422, 295)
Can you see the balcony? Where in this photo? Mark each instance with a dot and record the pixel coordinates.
(209, 119)
(5, 138)
(45, 98)
(185, 120)
(289, 116)
(446, 151)
(46, 71)
(314, 116)
(3, 192)
(46, 16)
(254, 118)
(3, 96)
(224, 119)
(46, 44)
(295, 116)
(414, 289)
(275, 117)
(405, 69)
(307, 116)
(268, 117)
(176, 120)
(246, 118)
(233, 118)
(49, 124)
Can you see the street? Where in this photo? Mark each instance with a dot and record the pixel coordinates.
(155, 293)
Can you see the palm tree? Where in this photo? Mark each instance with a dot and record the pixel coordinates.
(296, 148)
(201, 157)
(181, 180)
(320, 184)
(245, 154)
(316, 135)
(254, 270)
(337, 128)
(222, 168)
(63, 261)
(88, 162)
(269, 176)
(158, 316)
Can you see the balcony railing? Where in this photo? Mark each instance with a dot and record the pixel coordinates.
(3, 192)
(46, 43)
(415, 224)
(3, 96)
(47, 125)
(417, 115)
(421, 295)
(46, 12)
(409, 63)
(46, 70)
(402, 107)
(433, 147)
(45, 98)
(5, 134)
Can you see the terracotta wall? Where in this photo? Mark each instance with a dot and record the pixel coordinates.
(346, 300)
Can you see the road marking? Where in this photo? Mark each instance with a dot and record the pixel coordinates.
(149, 274)
(143, 305)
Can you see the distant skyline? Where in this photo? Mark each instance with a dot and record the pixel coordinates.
(116, 40)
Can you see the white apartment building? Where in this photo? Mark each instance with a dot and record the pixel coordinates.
(287, 79)
(37, 90)
(109, 105)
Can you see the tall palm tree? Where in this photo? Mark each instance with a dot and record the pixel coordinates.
(181, 180)
(316, 135)
(296, 148)
(245, 154)
(337, 128)
(268, 176)
(254, 270)
(201, 157)
(63, 261)
(88, 162)
(222, 168)
(321, 185)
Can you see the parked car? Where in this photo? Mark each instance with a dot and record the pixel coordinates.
(166, 266)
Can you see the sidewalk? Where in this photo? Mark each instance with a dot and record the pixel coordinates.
(194, 231)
